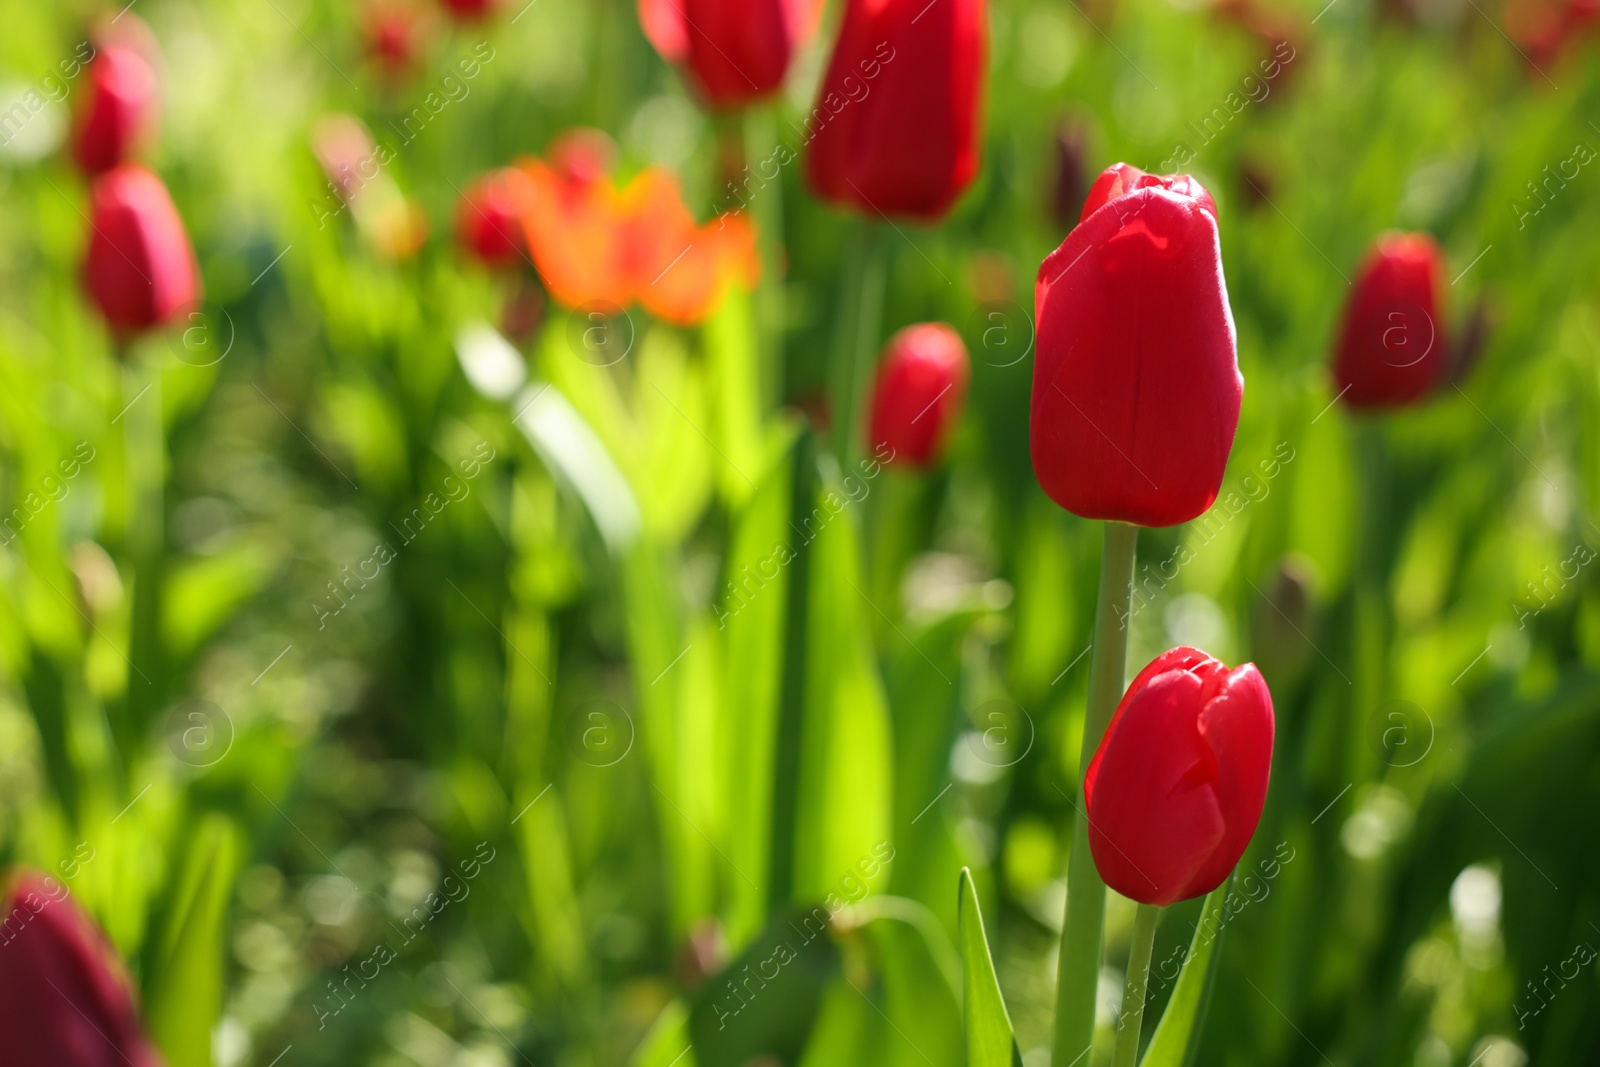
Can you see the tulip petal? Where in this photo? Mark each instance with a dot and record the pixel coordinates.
(1237, 726)
(1154, 817)
(1136, 389)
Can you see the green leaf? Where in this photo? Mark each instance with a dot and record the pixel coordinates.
(990, 1039)
(894, 1004)
(573, 451)
(844, 802)
(751, 608)
(202, 593)
(667, 1043)
(1177, 1036)
(186, 986)
(765, 1002)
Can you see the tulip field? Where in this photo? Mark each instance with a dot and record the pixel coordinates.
(800, 533)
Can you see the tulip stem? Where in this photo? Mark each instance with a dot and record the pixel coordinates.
(856, 337)
(1135, 984)
(1078, 969)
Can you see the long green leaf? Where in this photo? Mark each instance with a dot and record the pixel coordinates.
(990, 1039)
(1177, 1036)
(187, 983)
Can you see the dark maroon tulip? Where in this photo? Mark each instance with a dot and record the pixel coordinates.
(1071, 151)
(1176, 788)
(1136, 387)
(118, 111)
(140, 269)
(64, 999)
(1392, 347)
(896, 129)
(921, 385)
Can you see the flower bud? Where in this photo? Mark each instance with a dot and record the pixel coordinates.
(119, 109)
(1392, 348)
(918, 394)
(1136, 386)
(896, 129)
(64, 999)
(1175, 791)
(140, 269)
(489, 217)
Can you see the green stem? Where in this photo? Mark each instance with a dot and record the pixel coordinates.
(1135, 984)
(144, 456)
(1078, 972)
(856, 337)
(760, 130)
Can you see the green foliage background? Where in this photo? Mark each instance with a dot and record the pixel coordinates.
(543, 688)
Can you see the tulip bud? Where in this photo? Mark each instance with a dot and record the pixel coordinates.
(896, 128)
(1392, 349)
(918, 394)
(1071, 153)
(119, 109)
(140, 269)
(1175, 791)
(1285, 620)
(737, 51)
(489, 217)
(1136, 386)
(64, 1000)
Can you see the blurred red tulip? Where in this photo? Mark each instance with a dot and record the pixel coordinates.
(118, 109)
(64, 1000)
(1136, 385)
(737, 51)
(918, 394)
(896, 129)
(489, 217)
(1175, 791)
(583, 155)
(140, 268)
(471, 10)
(394, 37)
(1392, 349)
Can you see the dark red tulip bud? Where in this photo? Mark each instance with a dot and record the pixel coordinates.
(896, 128)
(1136, 385)
(921, 385)
(489, 217)
(1175, 790)
(140, 268)
(118, 111)
(64, 1000)
(1392, 347)
(1071, 153)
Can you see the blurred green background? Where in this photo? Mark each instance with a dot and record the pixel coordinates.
(538, 729)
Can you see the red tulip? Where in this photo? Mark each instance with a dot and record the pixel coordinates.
(736, 50)
(1136, 386)
(64, 1000)
(918, 394)
(1392, 348)
(140, 269)
(119, 108)
(1175, 791)
(896, 126)
(489, 217)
